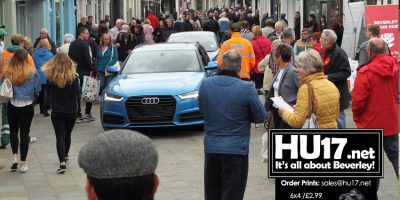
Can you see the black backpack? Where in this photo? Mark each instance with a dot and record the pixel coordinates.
(132, 36)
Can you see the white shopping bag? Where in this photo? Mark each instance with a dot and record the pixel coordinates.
(264, 147)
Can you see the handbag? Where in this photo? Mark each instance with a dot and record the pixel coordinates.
(90, 88)
(268, 124)
(268, 76)
(311, 121)
(106, 73)
(6, 90)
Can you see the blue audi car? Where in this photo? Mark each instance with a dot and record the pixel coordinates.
(157, 86)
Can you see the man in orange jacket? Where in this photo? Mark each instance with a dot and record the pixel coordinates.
(244, 47)
(17, 42)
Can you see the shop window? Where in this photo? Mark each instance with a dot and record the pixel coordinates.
(153, 5)
(372, 2)
(167, 7)
(22, 17)
(329, 8)
(199, 5)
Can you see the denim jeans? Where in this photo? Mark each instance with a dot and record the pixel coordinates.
(391, 147)
(88, 108)
(342, 120)
(104, 81)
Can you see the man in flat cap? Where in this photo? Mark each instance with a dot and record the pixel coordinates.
(120, 164)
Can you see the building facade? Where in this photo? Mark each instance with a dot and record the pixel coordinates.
(96, 8)
(27, 17)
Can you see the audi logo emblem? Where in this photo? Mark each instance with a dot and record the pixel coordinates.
(150, 100)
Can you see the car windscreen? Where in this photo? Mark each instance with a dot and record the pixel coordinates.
(162, 61)
(208, 42)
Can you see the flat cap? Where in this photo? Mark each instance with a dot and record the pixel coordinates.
(118, 154)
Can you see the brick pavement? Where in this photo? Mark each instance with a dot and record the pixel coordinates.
(180, 166)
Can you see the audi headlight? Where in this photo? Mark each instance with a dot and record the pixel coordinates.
(189, 95)
(111, 97)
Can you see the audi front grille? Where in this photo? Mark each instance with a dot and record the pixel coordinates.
(150, 109)
(113, 119)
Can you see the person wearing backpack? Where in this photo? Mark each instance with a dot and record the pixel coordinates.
(125, 43)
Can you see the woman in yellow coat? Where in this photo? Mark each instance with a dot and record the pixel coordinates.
(326, 95)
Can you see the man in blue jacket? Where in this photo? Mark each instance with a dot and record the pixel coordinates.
(229, 106)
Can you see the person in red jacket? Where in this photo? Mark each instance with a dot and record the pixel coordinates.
(315, 41)
(374, 97)
(153, 19)
(262, 48)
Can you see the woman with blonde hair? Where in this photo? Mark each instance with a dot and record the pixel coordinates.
(64, 93)
(25, 85)
(83, 23)
(107, 55)
(197, 26)
(325, 104)
(28, 45)
(262, 48)
(148, 32)
(41, 55)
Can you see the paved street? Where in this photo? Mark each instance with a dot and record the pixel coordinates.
(180, 166)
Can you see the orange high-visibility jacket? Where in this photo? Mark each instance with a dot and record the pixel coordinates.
(6, 58)
(245, 48)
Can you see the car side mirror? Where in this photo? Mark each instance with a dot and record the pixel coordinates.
(211, 65)
(112, 69)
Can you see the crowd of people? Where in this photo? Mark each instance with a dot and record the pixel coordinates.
(307, 68)
(309, 73)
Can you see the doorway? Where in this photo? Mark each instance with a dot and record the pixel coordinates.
(329, 8)
(22, 17)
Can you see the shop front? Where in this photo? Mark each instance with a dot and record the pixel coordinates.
(167, 7)
(153, 5)
(329, 8)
